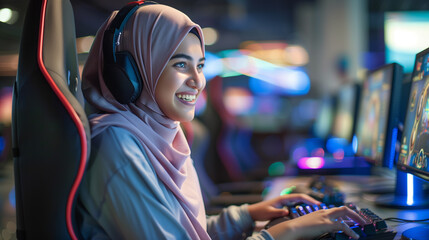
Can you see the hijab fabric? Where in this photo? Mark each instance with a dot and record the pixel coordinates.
(152, 35)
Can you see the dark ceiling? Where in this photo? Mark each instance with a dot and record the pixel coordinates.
(236, 20)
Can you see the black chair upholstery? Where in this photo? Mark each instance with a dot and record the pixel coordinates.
(50, 130)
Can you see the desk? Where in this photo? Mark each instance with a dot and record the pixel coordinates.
(351, 186)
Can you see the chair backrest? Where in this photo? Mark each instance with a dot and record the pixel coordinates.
(50, 130)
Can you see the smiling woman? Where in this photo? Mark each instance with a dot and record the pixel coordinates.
(144, 74)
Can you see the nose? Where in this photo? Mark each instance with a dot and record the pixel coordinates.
(197, 80)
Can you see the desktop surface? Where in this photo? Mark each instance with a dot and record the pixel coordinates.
(351, 186)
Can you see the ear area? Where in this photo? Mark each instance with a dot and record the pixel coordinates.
(123, 78)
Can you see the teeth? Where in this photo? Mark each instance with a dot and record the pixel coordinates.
(186, 97)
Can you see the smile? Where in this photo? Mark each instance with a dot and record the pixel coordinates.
(187, 97)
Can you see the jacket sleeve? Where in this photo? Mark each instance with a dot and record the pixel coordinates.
(234, 222)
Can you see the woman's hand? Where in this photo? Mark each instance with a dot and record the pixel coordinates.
(267, 210)
(315, 224)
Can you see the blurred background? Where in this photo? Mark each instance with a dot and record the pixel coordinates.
(276, 70)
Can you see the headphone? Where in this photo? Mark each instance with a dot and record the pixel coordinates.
(120, 71)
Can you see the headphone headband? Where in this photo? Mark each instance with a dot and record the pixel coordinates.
(120, 71)
(118, 23)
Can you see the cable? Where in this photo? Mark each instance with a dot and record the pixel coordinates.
(394, 219)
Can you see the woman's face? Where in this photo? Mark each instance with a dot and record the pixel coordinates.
(182, 81)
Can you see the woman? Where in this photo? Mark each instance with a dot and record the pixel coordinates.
(140, 181)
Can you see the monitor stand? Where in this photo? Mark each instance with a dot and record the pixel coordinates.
(410, 193)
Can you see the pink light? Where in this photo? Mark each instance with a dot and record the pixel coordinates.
(201, 103)
(311, 163)
(238, 100)
(318, 152)
(339, 155)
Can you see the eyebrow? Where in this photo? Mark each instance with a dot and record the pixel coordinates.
(181, 55)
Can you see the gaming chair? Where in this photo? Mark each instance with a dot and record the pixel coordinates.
(50, 130)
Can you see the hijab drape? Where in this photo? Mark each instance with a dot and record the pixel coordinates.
(151, 35)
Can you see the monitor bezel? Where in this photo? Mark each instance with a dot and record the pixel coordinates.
(406, 168)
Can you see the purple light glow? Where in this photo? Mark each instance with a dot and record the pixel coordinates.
(311, 163)
(299, 153)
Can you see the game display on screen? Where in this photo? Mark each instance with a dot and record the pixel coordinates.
(415, 142)
(373, 114)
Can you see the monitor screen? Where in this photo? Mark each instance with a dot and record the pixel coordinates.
(376, 130)
(415, 141)
(346, 109)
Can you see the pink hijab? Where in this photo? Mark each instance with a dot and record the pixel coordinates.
(151, 35)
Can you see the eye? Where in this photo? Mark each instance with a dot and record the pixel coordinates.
(180, 65)
(200, 66)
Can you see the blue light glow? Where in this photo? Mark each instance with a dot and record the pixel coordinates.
(2, 144)
(260, 87)
(213, 66)
(405, 36)
(12, 201)
(335, 144)
(285, 79)
(392, 147)
(410, 189)
(355, 143)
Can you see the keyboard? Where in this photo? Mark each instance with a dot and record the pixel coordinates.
(375, 227)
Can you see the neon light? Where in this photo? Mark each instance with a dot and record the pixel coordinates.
(288, 190)
(290, 80)
(74, 116)
(410, 189)
(213, 66)
(311, 163)
(12, 200)
(2, 144)
(355, 143)
(276, 169)
(392, 147)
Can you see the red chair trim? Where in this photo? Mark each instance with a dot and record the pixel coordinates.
(136, 2)
(74, 117)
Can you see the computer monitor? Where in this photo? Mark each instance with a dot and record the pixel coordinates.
(378, 117)
(324, 121)
(344, 122)
(415, 142)
(412, 162)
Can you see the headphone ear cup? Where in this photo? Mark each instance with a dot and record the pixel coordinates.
(123, 78)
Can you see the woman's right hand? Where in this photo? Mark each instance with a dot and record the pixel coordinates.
(315, 224)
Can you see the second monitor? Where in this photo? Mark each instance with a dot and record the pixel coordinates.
(379, 115)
